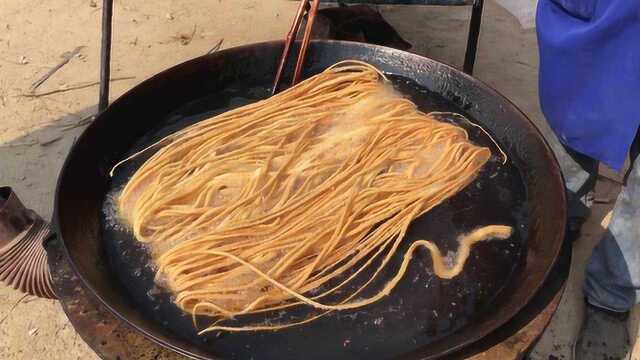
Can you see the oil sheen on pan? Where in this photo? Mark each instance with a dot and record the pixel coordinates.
(421, 309)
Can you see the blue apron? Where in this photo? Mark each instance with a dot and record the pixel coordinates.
(590, 74)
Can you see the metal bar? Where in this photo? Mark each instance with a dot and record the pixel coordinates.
(474, 34)
(105, 54)
(404, 2)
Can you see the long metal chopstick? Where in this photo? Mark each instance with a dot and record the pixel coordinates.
(310, 7)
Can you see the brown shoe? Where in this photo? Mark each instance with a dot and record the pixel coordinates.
(603, 335)
(23, 259)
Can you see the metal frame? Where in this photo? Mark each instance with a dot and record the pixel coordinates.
(474, 35)
(107, 24)
(105, 54)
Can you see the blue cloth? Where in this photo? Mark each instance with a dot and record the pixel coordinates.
(590, 74)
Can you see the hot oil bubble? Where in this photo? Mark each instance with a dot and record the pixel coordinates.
(110, 210)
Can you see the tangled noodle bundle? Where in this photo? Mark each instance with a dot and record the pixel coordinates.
(257, 208)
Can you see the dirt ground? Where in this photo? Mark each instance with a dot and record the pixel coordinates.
(37, 131)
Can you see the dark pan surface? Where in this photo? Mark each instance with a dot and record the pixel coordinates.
(424, 316)
(423, 308)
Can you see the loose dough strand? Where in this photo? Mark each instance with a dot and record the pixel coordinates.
(291, 200)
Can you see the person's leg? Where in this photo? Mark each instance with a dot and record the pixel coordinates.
(612, 283)
(613, 272)
(580, 174)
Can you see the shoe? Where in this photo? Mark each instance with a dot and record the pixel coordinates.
(603, 335)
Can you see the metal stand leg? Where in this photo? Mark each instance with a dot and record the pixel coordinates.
(474, 34)
(105, 54)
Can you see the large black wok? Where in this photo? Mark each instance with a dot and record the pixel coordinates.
(424, 317)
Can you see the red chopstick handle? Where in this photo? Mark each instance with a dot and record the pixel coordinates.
(305, 41)
(291, 36)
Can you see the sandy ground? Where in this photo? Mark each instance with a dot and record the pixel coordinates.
(36, 132)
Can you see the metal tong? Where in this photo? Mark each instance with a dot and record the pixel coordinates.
(310, 9)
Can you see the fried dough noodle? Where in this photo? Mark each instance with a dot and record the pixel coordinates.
(286, 201)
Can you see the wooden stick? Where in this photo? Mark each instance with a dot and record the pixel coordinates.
(66, 57)
(291, 36)
(305, 41)
(75, 87)
(217, 47)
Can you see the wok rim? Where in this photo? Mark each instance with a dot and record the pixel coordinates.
(557, 182)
